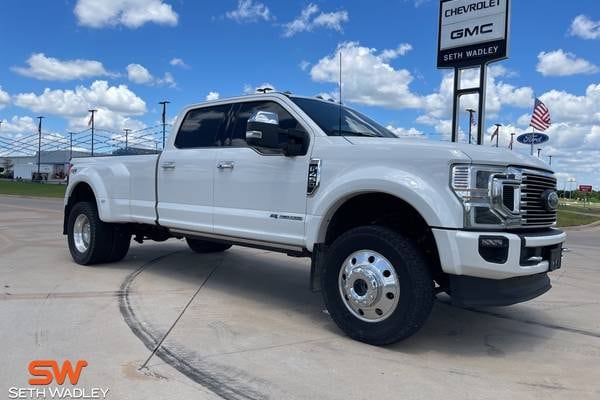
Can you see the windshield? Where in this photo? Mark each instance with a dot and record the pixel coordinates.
(327, 116)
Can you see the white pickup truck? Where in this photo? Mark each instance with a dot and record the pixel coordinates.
(388, 222)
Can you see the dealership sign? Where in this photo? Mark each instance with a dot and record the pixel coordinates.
(533, 138)
(585, 188)
(472, 32)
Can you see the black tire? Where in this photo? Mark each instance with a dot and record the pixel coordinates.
(101, 239)
(204, 246)
(416, 286)
(121, 242)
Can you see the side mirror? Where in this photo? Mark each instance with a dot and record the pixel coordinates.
(263, 131)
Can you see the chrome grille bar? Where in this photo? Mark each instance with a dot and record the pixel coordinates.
(534, 212)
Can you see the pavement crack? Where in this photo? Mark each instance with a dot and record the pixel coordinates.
(212, 271)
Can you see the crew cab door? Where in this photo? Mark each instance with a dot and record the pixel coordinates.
(259, 195)
(186, 170)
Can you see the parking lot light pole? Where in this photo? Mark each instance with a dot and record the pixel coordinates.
(92, 123)
(550, 160)
(126, 137)
(471, 112)
(39, 158)
(164, 119)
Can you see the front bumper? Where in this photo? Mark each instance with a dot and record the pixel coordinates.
(527, 253)
(467, 291)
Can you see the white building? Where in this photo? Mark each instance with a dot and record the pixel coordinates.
(53, 164)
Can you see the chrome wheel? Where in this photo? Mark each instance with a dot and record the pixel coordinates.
(369, 286)
(81, 233)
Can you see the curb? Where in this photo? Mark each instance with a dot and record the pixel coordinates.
(581, 227)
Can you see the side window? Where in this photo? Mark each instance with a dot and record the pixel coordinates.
(202, 127)
(236, 135)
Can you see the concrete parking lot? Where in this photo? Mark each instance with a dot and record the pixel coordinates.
(168, 323)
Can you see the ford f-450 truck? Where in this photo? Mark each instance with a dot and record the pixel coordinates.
(388, 222)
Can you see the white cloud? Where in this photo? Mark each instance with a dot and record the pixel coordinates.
(212, 96)
(565, 106)
(367, 77)
(18, 124)
(417, 3)
(561, 63)
(304, 65)
(310, 18)
(403, 132)
(106, 119)
(248, 11)
(585, 28)
(53, 69)
(129, 13)
(439, 105)
(401, 50)
(4, 98)
(167, 80)
(118, 101)
(137, 73)
(178, 62)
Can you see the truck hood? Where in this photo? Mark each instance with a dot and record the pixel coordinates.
(477, 154)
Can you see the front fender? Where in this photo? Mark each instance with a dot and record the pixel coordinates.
(432, 199)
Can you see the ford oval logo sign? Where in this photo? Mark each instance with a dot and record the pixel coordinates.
(550, 200)
(536, 138)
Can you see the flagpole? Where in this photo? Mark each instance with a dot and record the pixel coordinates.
(531, 138)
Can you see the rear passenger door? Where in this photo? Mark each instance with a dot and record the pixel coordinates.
(259, 194)
(186, 170)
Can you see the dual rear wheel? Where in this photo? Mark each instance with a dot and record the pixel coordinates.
(92, 241)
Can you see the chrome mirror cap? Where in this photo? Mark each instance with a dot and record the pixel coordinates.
(265, 117)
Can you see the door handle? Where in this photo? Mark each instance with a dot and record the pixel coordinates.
(168, 165)
(225, 165)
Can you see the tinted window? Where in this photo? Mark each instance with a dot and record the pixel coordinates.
(237, 135)
(340, 121)
(202, 127)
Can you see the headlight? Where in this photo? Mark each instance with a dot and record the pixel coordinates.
(491, 195)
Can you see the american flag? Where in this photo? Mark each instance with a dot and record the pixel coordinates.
(540, 119)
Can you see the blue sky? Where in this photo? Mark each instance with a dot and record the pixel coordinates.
(60, 58)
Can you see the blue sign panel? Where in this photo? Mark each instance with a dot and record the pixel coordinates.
(536, 138)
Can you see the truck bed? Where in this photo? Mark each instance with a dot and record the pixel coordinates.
(130, 185)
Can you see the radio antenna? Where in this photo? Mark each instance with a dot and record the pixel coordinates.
(340, 100)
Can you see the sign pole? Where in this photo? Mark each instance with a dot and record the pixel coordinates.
(455, 105)
(481, 115)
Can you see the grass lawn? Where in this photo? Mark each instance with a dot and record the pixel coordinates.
(567, 218)
(32, 189)
(581, 209)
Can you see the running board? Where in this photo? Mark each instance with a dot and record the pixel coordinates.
(259, 244)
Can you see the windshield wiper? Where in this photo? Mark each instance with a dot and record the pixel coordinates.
(354, 133)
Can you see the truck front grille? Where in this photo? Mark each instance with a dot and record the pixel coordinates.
(533, 208)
